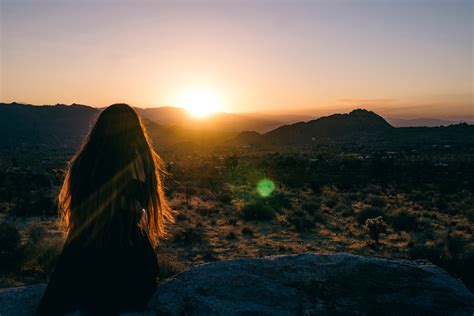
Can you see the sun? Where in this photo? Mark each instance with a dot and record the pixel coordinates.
(200, 102)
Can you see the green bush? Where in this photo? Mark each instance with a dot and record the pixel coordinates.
(258, 211)
(369, 212)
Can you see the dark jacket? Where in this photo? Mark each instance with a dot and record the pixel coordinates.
(101, 280)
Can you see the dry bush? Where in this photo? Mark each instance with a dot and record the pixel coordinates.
(191, 235)
(375, 227)
(369, 212)
(402, 220)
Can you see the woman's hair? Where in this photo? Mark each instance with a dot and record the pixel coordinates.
(113, 177)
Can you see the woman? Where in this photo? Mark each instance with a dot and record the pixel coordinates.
(114, 210)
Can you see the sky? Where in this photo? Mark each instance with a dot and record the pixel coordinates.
(405, 58)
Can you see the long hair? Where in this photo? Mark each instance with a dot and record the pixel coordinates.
(112, 178)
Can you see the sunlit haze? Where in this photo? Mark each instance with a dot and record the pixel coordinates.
(402, 58)
(200, 102)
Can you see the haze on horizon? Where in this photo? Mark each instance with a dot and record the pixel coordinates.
(400, 58)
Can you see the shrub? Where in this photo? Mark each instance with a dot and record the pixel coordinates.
(247, 231)
(48, 254)
(279, 201)
(345, 207)
(377, 201)
(181, 217)
(302, 221)
(231, 236)
(11, 254)
(368, 212)
(225, 197)
(376, 226)
(190, 235)
(402, 220)
(331, 201)
(258, 211)
(311, 206)
(37, 233)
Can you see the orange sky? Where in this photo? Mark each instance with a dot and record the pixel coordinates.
(409, 58)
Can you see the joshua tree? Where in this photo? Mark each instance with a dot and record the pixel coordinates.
(376, 226)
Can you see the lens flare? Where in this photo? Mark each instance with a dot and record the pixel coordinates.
(265, 187)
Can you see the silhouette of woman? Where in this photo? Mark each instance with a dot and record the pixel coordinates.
(114, 210)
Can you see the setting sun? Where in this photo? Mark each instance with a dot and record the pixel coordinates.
(200, 102)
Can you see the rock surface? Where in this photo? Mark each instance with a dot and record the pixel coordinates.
(304, 284)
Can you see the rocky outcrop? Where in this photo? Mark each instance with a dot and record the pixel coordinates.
(304, 284)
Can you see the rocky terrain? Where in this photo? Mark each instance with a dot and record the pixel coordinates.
(304, 284)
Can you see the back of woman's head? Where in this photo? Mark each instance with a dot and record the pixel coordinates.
(113, 177)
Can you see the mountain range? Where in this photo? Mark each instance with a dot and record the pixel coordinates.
(173, 128)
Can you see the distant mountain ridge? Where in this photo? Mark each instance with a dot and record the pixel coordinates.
(66, 125)
(358, 121)
(419, 122)
(358, 126)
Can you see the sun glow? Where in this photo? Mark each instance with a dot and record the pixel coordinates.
(200, 102)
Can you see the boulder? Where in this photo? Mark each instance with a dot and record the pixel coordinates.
(304, 284)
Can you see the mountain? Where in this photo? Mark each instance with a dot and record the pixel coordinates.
(419, 122)
(358, 126)
(358, 122)
(65, 125)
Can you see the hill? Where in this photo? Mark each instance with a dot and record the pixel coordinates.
(358, 126)
(173, 129)
(63, 125)
(419, 122)
(66, 125)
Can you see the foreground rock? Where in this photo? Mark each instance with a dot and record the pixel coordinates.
(303, 284)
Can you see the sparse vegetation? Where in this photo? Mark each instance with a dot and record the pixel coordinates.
(321, 202)
(258, 211)
(402, 220)
(367, 213)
